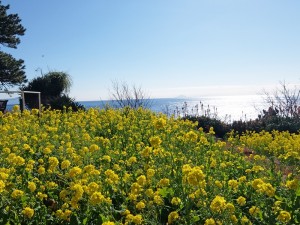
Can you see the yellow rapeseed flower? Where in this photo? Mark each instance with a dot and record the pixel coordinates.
(140, 205)
(78, 189)
(245, 221)
(47, 151)
(108, 223)
(53, 162)
(112, 177)
(41, 196)
(241, 200)
(210, 221)
(268, 189)
(191, 136)
(92, 187)
(97, 198)
(160, 123)
(150, 173)
(172, 217)
(292, 184)
(230, 207)
(28, 212)
(234, 219)
(31, 186)
(94, 148)
(141, 180)
(175, 201)
(17, 193)
(155, 141)
(65, 164)
(218, 204)
(195, 176)
(75, 171)
(163, 182)
(19, 161)
(256, 183)
(233, 184)
(41, 170)
(158, 200)
(2, 186)
(218, 184)
(254, 210)
(284, 216)
(137, 219)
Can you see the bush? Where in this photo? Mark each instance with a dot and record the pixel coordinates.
(220, 128)
(66, 101)
(54, 87)
(267, 123)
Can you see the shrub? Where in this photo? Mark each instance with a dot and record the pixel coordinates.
(65, 101)
(220, 128)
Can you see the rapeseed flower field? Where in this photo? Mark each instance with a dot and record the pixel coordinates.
(136, 167)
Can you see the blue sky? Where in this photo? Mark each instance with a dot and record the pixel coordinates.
(169, 47)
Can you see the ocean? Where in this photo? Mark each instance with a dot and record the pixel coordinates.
(227, 108)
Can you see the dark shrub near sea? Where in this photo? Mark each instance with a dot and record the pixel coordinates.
(266, 122)
(220, 128)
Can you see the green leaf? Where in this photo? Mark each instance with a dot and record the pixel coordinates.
(278, 198)
(195, 219)
(74, 220)
(298, 191)
(164, 192)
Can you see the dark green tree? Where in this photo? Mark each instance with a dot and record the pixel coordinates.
(54, 87)
(11, 70)
(52, 84)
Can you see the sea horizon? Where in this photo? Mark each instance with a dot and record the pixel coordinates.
(225, 107)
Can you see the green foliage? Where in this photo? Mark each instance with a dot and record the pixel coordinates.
(10, 28)
(53, 87)
(269, 123)
(11, 70)
(220, 127)
(241, 126)
(51, 84)
(283, 124)
(66, 101)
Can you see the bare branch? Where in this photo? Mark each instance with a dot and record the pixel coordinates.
(124, 95)
(284, 101)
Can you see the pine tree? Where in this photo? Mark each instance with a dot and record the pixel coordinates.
(11, 70)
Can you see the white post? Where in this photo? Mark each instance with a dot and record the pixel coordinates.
(23, 99)
(40, 107)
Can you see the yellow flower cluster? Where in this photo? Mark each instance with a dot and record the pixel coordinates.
(283, 145)
(28, 212)
(218, 204)
(125, 166)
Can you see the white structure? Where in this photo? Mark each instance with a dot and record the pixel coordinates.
(22, 93)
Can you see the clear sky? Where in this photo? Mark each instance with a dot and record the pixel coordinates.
(169, 47)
